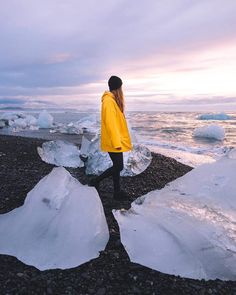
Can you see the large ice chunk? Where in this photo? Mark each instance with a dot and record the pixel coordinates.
(135, 161)
(11, 116)
(45, 120)
(60, 153)
(189, 227)
(219, 116)
(211, 131)
(63, 153)
(18, 121)
(61, 224)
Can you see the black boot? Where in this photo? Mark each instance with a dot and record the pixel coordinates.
(120, 195)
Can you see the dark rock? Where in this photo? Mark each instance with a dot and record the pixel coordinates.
(101, 291)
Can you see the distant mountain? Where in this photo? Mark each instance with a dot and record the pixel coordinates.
(12, 108)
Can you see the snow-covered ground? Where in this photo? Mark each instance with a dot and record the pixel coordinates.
(61, 224)
(189, 227)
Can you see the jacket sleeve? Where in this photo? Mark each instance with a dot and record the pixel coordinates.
(109, 115)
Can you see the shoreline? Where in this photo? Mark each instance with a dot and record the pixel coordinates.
(111, 272)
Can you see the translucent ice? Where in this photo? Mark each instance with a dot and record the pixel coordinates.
(61, 224)
(11, 116)
(135, 161)
(2, 123)
(88, 123)
(18, 121)
(45, 120)
(210, 131)
(189, 227)
(60, 153)
(70, 128)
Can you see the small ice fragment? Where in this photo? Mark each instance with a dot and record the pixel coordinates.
(210, 131)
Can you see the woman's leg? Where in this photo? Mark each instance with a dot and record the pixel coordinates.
(118, 165)
(114, 171)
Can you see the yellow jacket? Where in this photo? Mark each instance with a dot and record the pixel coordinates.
(114, 130)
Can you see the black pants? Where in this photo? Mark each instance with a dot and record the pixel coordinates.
(114, 171)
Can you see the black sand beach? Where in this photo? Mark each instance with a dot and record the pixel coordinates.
(112, 273)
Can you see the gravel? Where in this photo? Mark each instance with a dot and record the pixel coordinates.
(112, 273)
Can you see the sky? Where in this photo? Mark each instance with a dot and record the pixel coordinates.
(170, 54)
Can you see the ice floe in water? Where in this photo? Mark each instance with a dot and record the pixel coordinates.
(219, 116)
(189, 227)
(60, 153)
(210, 131)
(61, 224)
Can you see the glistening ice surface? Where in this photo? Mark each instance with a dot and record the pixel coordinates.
(135, 161)
(60, 153)
(61, 224)
(189, 227)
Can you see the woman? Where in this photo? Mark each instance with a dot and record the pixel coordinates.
(115, 138)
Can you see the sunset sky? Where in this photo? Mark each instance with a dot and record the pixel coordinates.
(171, 54)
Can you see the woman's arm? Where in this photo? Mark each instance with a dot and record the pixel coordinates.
(109, 115)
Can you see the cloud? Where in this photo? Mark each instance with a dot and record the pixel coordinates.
(63, 47)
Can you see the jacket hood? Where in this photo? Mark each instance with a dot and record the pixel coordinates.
(107, 94)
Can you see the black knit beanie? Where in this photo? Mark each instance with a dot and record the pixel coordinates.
(114, 83)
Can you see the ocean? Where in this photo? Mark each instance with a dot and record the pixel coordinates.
(171, 133)
(168, 133)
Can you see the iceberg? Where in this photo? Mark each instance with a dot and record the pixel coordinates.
(188, 228)
(211, 131)
(60, 153)
(45, 120)
(61, 224)
(219, 116)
